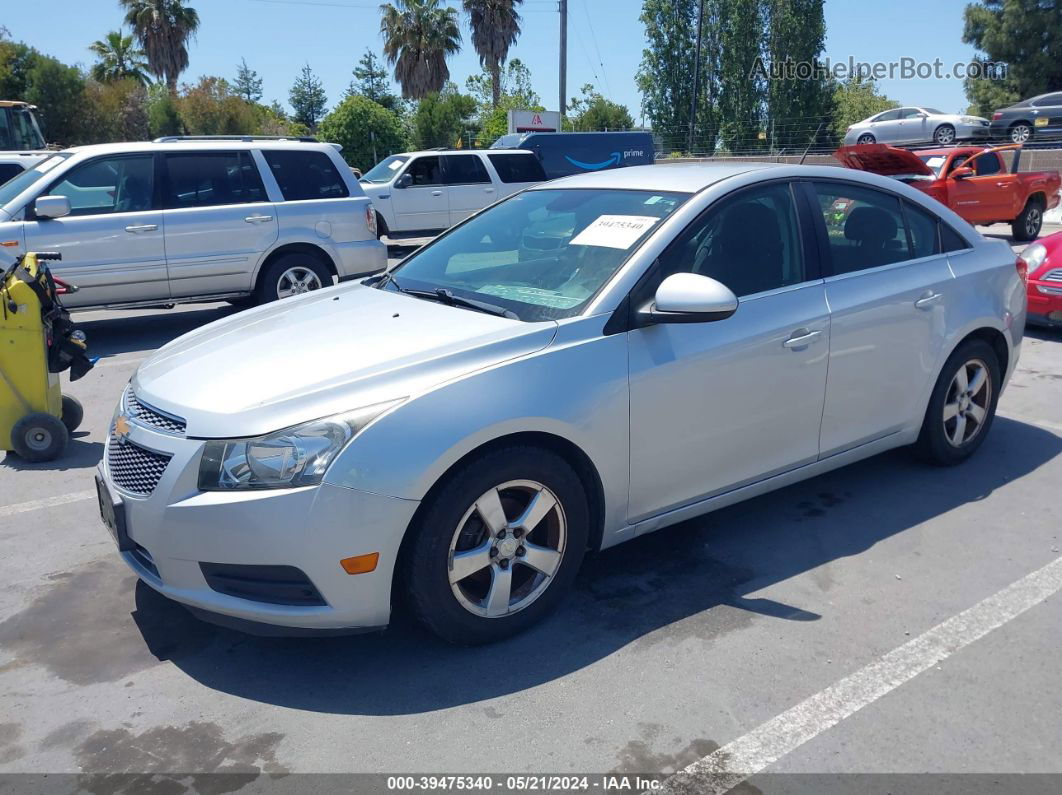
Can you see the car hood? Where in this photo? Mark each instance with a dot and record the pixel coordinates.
(882, 159)
(323, 353)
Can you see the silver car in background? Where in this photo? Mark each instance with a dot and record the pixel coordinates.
(917, 125)
(589, 360)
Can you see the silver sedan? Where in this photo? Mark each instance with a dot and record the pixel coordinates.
(913, 125)
(584, 362)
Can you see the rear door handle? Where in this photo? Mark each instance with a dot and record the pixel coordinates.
(141, 228)
(258, 219)
(801, 338)
(928, 301)
(489, 190)
(436, 193)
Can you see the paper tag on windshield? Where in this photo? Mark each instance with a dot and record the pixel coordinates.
(614, 231)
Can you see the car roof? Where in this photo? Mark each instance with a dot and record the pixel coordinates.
(461, 152)
(674, 178)
(198, 145)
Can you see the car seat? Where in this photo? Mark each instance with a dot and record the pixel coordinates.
(873, 231)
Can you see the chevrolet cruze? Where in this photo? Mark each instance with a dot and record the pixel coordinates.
(589, 360)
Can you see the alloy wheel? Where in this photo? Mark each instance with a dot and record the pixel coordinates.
(507, 548)
(865, 139)
(966, 407)
(296, 281)
(1020, 133)
(945, 135)
(1032, 221)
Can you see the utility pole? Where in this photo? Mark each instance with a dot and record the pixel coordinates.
(563, 8)
(696, 76)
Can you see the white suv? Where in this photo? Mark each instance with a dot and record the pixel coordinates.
(191, 219)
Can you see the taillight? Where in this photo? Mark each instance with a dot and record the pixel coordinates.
(997, 116)
(1023, 270)
(370, 219)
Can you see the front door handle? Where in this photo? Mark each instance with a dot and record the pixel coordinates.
(801, 338)
(135, 228)
(258, 219)
(436, 193)
(489, 190)
(928, 300)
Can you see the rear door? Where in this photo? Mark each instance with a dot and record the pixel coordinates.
(1047, 114)
(425, 204)
(112, 241)
(890, 290)
(218, 218)
(468, 184)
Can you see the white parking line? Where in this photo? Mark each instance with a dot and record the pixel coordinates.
(47, 502)
(770, 741)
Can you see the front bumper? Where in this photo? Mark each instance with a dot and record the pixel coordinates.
(1045, 303)
(311, 529)
(973, 131)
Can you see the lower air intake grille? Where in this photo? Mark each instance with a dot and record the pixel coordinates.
(275, 585)
(133, 468)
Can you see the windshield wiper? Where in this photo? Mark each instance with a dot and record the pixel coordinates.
(444, 296)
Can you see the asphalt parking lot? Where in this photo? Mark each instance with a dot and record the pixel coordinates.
(809, 631)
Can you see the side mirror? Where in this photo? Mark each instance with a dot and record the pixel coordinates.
(404, 181)
(51, 207)
(689, 298)
(962, 172)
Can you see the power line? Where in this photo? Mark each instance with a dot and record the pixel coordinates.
(593, 37)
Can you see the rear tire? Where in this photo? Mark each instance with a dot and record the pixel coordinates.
(73, 413)
(1020, 133)
(39, 437)
(381, 227)
(292, 274)
(962, 406)
(1027, 225)
(499, 590)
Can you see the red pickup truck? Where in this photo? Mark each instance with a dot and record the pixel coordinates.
(974, 182)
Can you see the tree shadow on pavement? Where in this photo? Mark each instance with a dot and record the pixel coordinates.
(688, 581)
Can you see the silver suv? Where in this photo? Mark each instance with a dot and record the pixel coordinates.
(186, 219)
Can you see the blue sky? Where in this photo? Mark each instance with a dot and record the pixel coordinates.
(605, 41)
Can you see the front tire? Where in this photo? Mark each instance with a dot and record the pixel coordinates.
(944, 135)
(1027, 225)
(962, 406)
(292, 274)
(865, 138)
(497, 546)
(39, 437)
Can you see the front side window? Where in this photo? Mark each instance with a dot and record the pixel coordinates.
(750, 242)
(205, 179)
(425, 171)
(889, 115)
(542, 254)
(109, 185)
(518, 168)
(865, 226)
(305, 175)
(464, 170)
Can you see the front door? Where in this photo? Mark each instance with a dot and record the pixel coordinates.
(425, 204)
(219, 221)
(112, 241)
(889, 289)
(718, 405)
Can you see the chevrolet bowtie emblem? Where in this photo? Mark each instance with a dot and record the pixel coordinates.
(121, 429)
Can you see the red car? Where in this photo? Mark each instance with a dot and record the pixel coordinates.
(973, 181)
(1044, 261)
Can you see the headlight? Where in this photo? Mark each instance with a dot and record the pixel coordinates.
(1034, 256)
(296, 456)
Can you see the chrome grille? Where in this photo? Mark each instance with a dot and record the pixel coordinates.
(1053, 276)
(133, 468)
(147, 415)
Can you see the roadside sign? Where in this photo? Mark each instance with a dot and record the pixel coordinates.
(534, 121)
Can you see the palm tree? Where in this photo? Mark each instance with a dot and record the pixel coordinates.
(495, 25)
(418, 36)
(163, 28)
(119, 59)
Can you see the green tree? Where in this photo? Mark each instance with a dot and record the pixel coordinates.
(854, 100)
(495, 26)
(592, 112)
(248, 84)
(742, 93)
(371, 81)
(796, 34)
(59, 91)
(517, 94)
(163, 28)
(442, 119)
(211, 108)
(16, 60)
(115, 111)
(367, 130)
(418, 37)
(163, 116)
(307, 98)
(119, 59)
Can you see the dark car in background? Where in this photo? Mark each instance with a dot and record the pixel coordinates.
(563, 154)
(1036, 117)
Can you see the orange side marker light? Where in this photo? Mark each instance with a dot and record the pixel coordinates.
(360, 564)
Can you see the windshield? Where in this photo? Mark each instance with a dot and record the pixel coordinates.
(542, 254)
(14, 186)
(385, 170)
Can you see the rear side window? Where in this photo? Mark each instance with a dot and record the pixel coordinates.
(305, 175)
(925, 241)
(986, 165)
(1049, 101)
(865, 226)
(208, 179)
(464, 170)
(9, 170)
(518, 168)
(950, 240)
